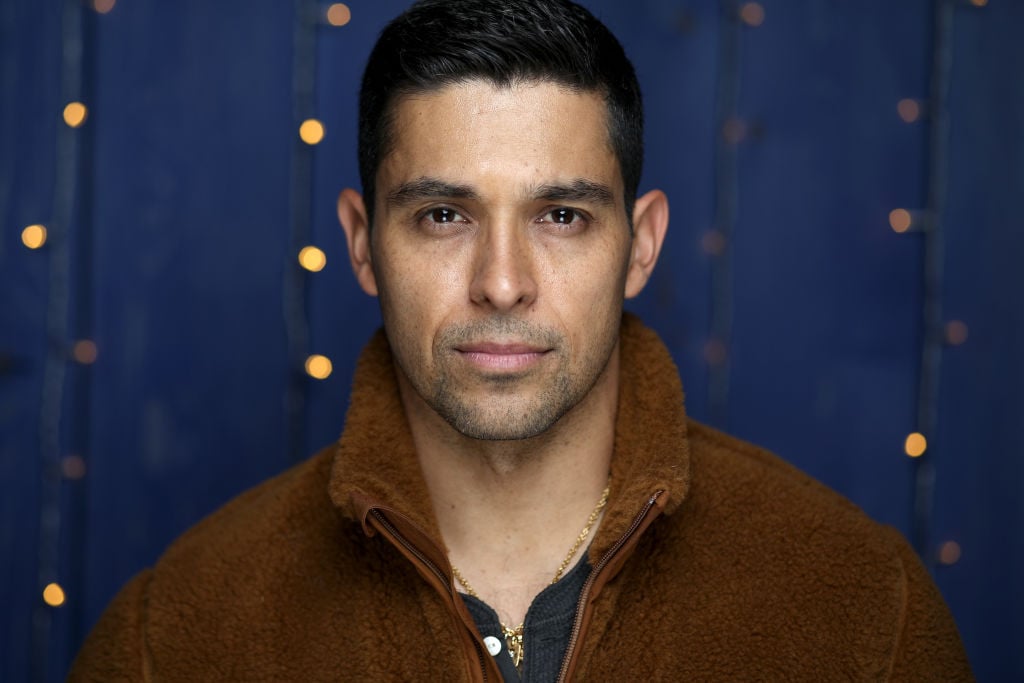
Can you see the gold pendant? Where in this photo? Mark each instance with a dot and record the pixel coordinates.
(514, 640)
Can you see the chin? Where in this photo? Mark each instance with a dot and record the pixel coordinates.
(509, 425)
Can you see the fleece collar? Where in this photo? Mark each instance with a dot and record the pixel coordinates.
(376, 462)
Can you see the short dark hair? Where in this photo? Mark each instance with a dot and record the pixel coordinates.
(436, 43)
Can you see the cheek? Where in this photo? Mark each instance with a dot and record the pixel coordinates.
(417, 288)
(586, 296)
(589, 282)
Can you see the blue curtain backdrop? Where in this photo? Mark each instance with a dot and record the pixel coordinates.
(843, 270)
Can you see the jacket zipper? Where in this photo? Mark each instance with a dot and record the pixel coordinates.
(429, 564)
(570, 651)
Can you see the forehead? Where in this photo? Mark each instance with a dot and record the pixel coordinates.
(477, 132)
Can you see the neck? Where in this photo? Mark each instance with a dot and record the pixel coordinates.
(509, 511)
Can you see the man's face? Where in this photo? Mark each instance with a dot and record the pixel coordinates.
(500, 252)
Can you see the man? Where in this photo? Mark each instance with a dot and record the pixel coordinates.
(518, 493)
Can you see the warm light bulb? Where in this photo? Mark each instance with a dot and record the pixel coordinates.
(74, 114)
(73, 467)
(713, 243)
(311, 131)
(312, 259)
(915, 445)
(734, 130)
(949, 553)
(909, 110)
(715, 352)
(900, 220)
(956, 332)
(338, 14)
(319, 367)
(103, 6)
(53, 595)
(85, 351)
(752, 14)
(34, 236)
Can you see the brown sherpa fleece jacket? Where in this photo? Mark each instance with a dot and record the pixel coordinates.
(715, 561)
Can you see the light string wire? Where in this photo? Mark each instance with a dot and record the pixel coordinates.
(934, 253)
(301, 201)
(80, 421)
(58, 328)
(8, 69)
(726, 199)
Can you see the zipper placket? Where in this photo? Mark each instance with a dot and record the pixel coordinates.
(585, 593)
(429, 564)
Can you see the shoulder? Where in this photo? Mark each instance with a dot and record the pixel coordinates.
(293, 500)
(281, 543)
(224, 586)
(770, 532)
(241, 595)
(787, 537)
(764, 560)
(264, 534)
(788, 577)
(748, 503)
(729, 472)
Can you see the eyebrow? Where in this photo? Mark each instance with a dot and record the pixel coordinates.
(428, 188)
(579, 190)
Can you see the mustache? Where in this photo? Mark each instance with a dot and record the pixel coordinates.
(499, 329)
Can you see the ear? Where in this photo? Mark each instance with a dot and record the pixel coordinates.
(352, 214)
(650, 221)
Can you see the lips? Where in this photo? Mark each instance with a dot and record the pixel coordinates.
(495, 356)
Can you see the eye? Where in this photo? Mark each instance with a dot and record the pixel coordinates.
(443, 214)
(563, 215)
(441, 220)
(564, 218)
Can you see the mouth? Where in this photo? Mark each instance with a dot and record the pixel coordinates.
(501, 357)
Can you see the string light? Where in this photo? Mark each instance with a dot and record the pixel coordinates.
(85, 351)
(53, 595)
(103, 6)
(752, 14)
(312, 259)
(900, 220)
(715, 352)
(338, 14)
(34, 236)
(956, 332)
(73, 467)
(75, 114)
(319, 367)
(930, 221)
(949, 553)
(915, 445)
(311, 131)
(909, 110)
(734, 130)
(979, 3)
(731, 130)
(713, 243)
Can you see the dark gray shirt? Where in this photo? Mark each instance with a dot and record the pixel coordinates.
(546, 630)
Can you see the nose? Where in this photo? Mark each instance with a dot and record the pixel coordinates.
(503, 269)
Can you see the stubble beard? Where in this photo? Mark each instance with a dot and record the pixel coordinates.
(506, 419)
(517, 410)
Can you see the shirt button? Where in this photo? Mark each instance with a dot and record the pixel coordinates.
(493, 645)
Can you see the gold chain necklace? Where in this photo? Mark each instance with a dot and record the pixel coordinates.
(514, 636)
